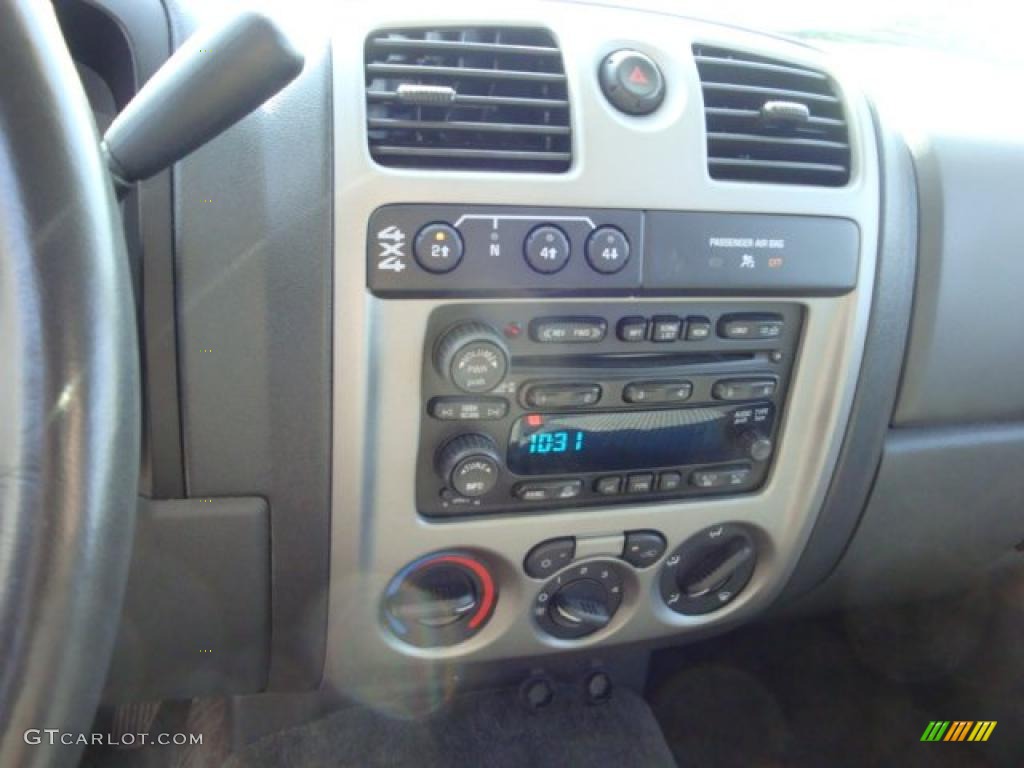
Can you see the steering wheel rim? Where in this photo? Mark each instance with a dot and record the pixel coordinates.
(69, 397)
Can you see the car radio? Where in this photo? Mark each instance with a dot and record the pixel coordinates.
(594, 403)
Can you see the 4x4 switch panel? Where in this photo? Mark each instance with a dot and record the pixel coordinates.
(456, 250)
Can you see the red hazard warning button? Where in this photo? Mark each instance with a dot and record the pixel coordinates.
(638, 76)
(632, 82)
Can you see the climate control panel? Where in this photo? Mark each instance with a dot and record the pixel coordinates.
(580, 406)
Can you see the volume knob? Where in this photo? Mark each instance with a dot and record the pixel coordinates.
(470, 464)
(473, 356)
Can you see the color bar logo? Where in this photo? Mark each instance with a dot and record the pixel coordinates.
(958, 730)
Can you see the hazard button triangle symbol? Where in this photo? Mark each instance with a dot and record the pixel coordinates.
(638, 76)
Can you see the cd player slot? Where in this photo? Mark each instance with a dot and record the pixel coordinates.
(636, 360)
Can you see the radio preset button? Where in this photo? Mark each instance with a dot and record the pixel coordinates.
(657, 392)
(468, 409)
(549, 556)
(607, 250)
(549, 490)
(568, 330)
(750, 327)
(708, 478)
(640, 483)
(697, 328)
(737, 476)
(666, 328)
(632, 329)
(669, 481)
(608, 486)
(438, 248)
(720, 478)
(562, 395)
(743, 389)
(546, 249)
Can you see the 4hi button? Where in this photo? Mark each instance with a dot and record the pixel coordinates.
(546, 249)
(632, 82)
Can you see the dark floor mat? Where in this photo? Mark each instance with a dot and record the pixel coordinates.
(484, 729)
(853, 690)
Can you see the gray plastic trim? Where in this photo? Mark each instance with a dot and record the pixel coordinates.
(963, 363)
(944, 513)
(147, 211)
(378, 347)
(884, 350)
(253, 243)
(196, 618)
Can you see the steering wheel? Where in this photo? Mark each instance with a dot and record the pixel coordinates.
(69, 398)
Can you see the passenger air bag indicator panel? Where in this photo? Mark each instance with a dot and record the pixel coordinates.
(467, 251)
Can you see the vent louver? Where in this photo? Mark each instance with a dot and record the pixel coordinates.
(483, 98)
(771, 121)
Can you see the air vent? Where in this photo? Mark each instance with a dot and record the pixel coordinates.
(771, 121)
(483, 98)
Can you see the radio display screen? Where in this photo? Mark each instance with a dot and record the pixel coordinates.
(543, 444)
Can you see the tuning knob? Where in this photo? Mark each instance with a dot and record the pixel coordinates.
(470, 464)
(757, 446)
(473, 356)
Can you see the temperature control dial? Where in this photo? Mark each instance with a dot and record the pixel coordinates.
(440, 600)
(470, 464)
(473, 357)
(580, 600)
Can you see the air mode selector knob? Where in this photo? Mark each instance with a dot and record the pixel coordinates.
(473, 356)
(708, 570)
(470, 465)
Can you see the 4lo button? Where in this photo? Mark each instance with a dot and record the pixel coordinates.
(607, 250)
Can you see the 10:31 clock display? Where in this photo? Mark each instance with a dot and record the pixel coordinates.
(556, 442)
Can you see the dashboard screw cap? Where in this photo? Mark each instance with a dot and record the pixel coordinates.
(537, 692)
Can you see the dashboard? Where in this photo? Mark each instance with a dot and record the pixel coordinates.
(638, 427)
(545, 333)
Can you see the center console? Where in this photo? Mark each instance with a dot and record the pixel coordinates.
(595, 398)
